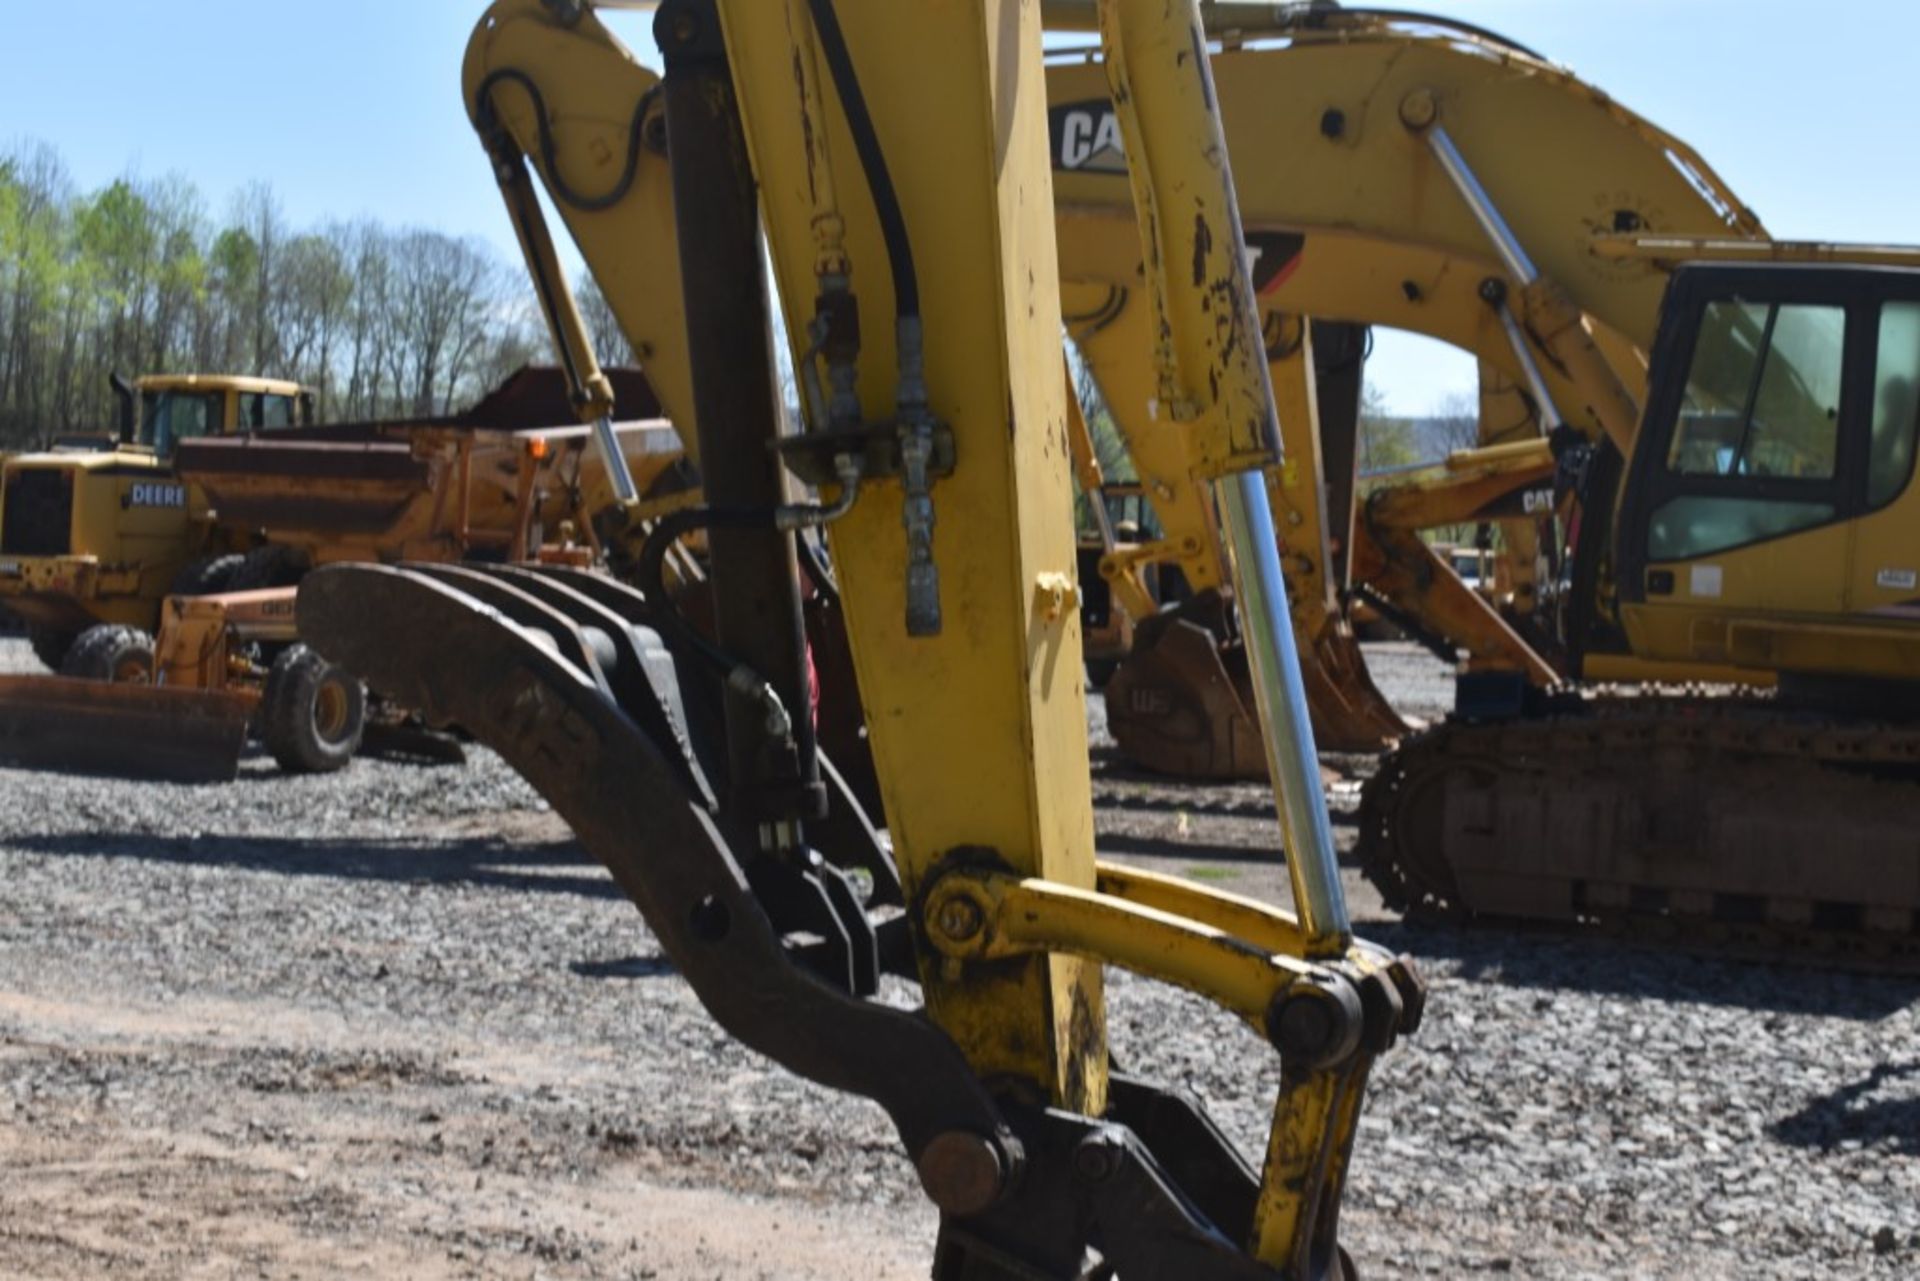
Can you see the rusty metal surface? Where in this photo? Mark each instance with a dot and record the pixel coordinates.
(1181, 703)
(123, 731)
(1699, 820)
(210, 457)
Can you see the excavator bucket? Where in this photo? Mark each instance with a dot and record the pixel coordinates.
(121, 730)
(1182, 702)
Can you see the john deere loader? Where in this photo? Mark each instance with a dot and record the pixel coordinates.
(96, 530)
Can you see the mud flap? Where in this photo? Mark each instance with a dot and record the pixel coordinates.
(124, 731)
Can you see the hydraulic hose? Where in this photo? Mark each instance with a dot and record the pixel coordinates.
(886, 202)
(549, 159)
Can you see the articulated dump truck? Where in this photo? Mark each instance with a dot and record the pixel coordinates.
(197, 648)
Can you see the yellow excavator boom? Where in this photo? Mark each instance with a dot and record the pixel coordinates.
(886, 167)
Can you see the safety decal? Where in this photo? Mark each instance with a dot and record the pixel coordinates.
(1896, 580)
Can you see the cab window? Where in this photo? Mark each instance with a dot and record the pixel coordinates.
(1896, 404)
(1763, 396)
(260, 411)
(1762, 404)
(169, 417)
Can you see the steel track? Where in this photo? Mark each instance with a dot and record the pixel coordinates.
(1730, 825)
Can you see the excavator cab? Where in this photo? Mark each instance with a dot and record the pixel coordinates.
(1779, 444)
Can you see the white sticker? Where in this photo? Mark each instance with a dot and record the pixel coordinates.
(1896, 580)
(1704, 580)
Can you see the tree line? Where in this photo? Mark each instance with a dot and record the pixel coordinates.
(137, 277)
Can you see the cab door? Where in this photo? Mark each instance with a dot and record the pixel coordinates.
(1884, 578)
(1746, 478)
(156, 510)
(1770, 500)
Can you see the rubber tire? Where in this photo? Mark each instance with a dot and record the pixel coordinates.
(290, 709)
(208, 576)
(107, 651)
(51, 645)
(265, 567)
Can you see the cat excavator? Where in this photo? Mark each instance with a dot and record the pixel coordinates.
(1368, 239)
(1730, 427)
(1563, 275)
(1193, 714)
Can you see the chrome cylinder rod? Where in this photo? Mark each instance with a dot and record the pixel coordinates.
(619, 475)
(1536, 383)
(1513, 255)
(1281, 698)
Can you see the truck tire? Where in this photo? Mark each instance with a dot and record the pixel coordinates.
(312, 713)
(111, 652)
(208, 576)
(265, 567)
(50, 645)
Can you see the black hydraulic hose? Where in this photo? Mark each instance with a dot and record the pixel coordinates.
(816, 570)
(489, 120)
(886, 201)
(653, 554)
(1435, 20)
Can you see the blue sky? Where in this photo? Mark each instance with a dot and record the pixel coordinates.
(350, 107)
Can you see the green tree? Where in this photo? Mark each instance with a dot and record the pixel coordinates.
(1386, 441)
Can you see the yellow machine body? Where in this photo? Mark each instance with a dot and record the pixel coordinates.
(423, 491)
(976, 708)
(95, 531)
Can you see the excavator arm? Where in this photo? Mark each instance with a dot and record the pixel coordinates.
(892, 159)
(1369, 203)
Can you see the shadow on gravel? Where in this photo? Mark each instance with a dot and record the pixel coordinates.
(627, 967)
(491, 863)
(1194, 851)
(1850, 1116)
(1538, 959)
(1200, 802)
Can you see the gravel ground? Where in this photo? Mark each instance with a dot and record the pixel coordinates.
(393, 1023)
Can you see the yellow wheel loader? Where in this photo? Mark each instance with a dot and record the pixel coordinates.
(97, 529)
(892, 160)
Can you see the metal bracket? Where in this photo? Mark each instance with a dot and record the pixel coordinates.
(811, 455)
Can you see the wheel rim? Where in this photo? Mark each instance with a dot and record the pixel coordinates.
(132, 669)
(331, 711)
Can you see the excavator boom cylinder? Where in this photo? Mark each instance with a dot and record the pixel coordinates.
(755, 571)
(1156, 62)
